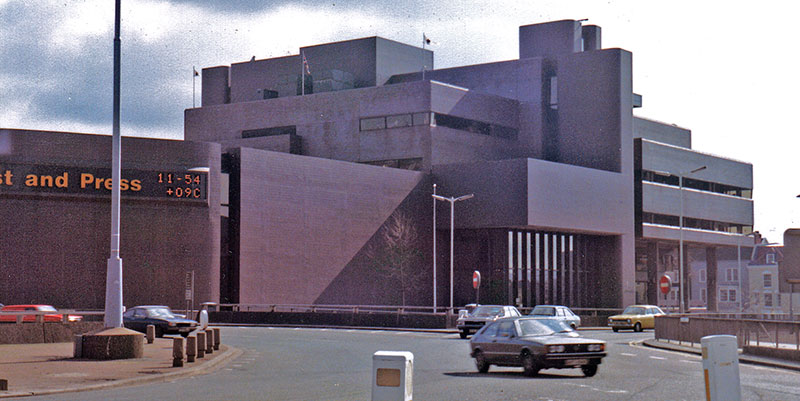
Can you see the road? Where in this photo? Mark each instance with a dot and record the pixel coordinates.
(335, 364)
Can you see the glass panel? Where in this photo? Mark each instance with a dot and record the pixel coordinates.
(368, 124)
(422, 118)
(402, 120)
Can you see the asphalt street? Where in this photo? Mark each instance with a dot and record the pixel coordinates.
(335, 364)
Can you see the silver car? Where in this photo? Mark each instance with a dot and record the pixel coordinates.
(481, 315)
(557, 312)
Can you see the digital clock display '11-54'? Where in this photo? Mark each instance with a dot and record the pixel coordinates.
(187, 185)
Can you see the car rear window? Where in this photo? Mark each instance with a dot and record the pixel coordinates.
(483, 311)
(543, 311)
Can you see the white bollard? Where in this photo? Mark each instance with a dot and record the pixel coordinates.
(392, 373)
(721, 368)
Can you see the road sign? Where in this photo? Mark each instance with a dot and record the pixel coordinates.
(665, 284)
(476, 279)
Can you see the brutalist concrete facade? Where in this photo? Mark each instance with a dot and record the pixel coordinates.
(550, 166)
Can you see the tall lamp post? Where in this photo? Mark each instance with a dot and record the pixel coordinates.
(680, 234)
(452, 201)
(434, 249)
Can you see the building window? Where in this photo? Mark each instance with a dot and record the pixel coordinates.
(732, 275)
(770, 258)
(372, 123)
(271, 131)
(702, 274)
(768, 300)
(421, 118)
(401, 120)
(731, 295)
(723, 295)
(703, 296)
(767, 280)
(672, 295)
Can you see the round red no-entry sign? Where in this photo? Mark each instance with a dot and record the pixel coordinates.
(476, 279)
(665, 283)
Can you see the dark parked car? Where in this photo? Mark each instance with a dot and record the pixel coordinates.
(529, 343)
(482, 314)
(165, 322)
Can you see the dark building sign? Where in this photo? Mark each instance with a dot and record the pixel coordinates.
(29, 179)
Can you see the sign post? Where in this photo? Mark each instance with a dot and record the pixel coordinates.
(189, 293)
(476, 284)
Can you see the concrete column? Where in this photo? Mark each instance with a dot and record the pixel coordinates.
(191, 348)
(177, 352)
(201, 340)
(217, 340)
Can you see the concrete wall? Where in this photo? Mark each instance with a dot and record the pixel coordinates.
(675, 160)
(304, 220)
(55, 247)
(550, 39)
(657, 131)
(665, 199)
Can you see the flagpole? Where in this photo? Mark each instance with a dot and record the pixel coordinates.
(194, 75)
(302, 73)
(423, 55)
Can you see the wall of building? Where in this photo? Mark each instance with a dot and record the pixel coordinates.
(55, 244)
(656, 131)
(305, 220)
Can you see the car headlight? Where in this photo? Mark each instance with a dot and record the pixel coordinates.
(596, 347)
(610, 321)
(628, 321)
(171, 324)
(555, 348)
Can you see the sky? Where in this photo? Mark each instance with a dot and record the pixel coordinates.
(727, 70)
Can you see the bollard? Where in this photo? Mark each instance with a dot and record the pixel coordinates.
(721, 368)
(209, 341)
(201, 340)
(217, 340)
(77, 346)
(151, 333)
(392, 374)
(177, 352)
(3, 385)
(191, 348)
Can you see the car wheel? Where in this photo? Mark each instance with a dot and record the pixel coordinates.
(159, 332)
(184, 335)
(464, 333)
(637, 327)
(480, 362)
(589, 370)
(615, 329)
(574, 327)
(529, 364)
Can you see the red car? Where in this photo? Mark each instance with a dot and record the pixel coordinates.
(54, 317)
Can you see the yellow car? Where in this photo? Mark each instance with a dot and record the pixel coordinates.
(636, 317)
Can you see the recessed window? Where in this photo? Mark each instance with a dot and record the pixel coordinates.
(723, 295)
(770, 258)
(702, 275)
(400, 120)
(767, 280)
(768, 300)
(373, 123)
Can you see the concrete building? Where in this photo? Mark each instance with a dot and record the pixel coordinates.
(327, 161)
(764, 296)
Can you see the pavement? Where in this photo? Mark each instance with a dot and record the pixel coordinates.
(694, 348)
(39, 369)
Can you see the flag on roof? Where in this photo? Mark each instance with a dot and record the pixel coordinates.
(305, 64)
(195, 72)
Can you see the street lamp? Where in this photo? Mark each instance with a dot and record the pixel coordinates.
(452, 201)
(680, 234)
(434, 247)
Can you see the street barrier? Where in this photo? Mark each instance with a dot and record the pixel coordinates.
(151, 333)
(721, 368)
(217, 340)
(191, 348)
(392, 374)
(177, 352)
(209, 341)
(201, 342)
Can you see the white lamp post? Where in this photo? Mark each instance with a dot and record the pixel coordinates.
(452, 201)
(680, 229)
(434, 249)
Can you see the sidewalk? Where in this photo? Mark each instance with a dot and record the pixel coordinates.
(38, 369)
(743, 358)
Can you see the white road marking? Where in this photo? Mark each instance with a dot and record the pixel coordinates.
(657, 357)
(627, 354)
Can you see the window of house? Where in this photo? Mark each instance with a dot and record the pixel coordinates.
(672, 295)
(732, 275)
(767, 280)
(702, 274)
(732, 295)
(770, 258)
(723, 295)
(703, 295)
(768, 300)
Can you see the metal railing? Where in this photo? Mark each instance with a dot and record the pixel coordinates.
(690, 328)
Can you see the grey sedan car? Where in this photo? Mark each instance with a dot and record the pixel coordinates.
(557, 312)
(482, 314)
(529, 343)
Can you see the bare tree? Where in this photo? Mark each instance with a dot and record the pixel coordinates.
(395, 254)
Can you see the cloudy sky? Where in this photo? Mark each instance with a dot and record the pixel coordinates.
(728, 72)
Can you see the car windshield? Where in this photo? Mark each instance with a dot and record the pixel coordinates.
(487, 311)
(46, 308)
(160, 312)
(633, 310)
(533, 327)
(558, 326)
(543, 311)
